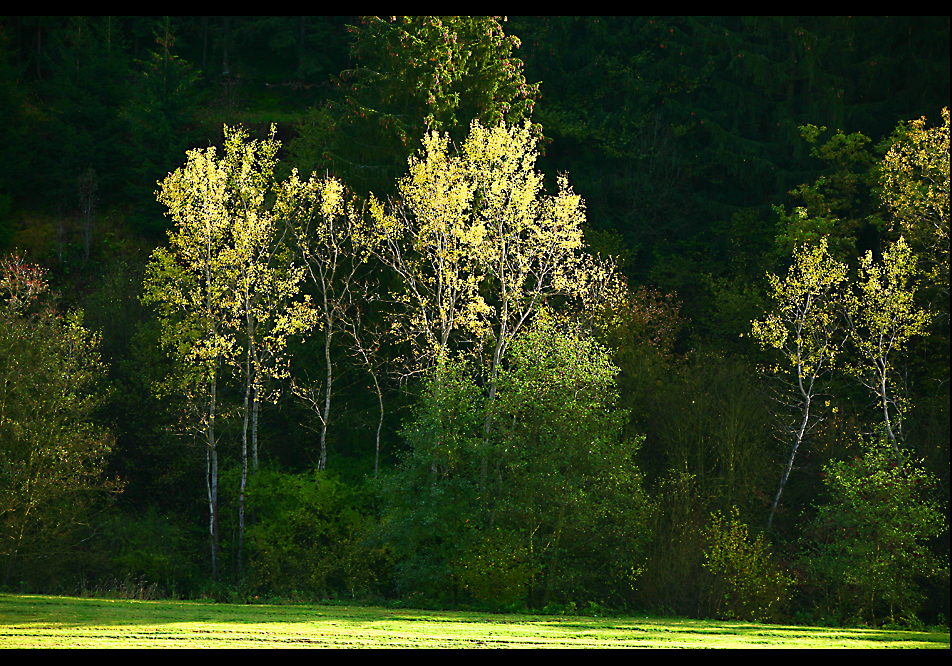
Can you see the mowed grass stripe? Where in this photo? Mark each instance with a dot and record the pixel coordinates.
(46, 622)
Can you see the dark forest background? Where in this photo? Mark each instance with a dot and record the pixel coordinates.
(692, 142)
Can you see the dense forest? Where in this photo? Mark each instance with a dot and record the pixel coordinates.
(574, 313)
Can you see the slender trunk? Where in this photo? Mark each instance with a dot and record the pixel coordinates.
(894, 434)
(379, 426)
(327, 393)
(211, 446)
(353, 325)
(244, 459)
(211, 462)
(793, 454)
(254, 430)
(494, 370)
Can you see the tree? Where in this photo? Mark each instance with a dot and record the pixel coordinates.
(87, 90)
(840, 205)
(411, 75)
(804, 330)
(559, 511)
(159, 108)
(881, 317)
(51, 449)
(191, 284)
(915, 178)
(562, 472)
(869, 540)
(322, 223)
(265, 280)
(478, 246)
(227, 282)
(748, 585)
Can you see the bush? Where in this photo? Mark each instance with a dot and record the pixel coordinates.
(869, 546)
(531, 496)
(748, 584)
(307, 535)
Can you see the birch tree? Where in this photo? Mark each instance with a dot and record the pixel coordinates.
(804, 330)
(478, 245)
(265, 285)
(227, 287)
(427, 238)
(189, 283)
(322, 223)
(881, 317)
(915, 179)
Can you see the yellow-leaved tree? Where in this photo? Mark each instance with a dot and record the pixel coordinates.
(188, 282)
(881, 317)
(478, 246)
(915, 179)
(225, 289)
(803, 329)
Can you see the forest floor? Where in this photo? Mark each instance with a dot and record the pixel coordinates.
(28, 621)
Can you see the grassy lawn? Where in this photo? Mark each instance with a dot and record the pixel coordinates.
(45, 622)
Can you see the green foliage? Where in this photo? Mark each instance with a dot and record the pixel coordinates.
(804, 328)
(534, 492)
(478, 246)
(498, 569)
(882, 315)
(87, 90)
(748, 584)
(869, 543)
(308, 536)
(51, 448)
(710, 421)
(157, 114)
(839, 205)
(412, 75)
(154, 549)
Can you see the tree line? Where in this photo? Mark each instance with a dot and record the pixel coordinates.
(491, 399)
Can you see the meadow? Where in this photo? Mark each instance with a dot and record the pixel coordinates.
(28, 621)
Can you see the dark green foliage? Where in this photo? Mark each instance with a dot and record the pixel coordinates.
(85, 91)
(411, 75)
(869, 543)
(307, 535)
(539, 482)
(160, 107)
(694, 142)
(51, 448)
(155, 551)
(674, 581)
(710, 420)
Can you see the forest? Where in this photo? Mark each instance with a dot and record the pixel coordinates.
(611, 314)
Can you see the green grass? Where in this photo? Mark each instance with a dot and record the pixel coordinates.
(46, 622)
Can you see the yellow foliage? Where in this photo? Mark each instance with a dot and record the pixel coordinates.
(915, 179)
(477, 243)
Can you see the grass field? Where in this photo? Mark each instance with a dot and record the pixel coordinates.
(50, 622)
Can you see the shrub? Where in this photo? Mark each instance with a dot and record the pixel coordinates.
(870, 540)
(748, 584)
(307, 535)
